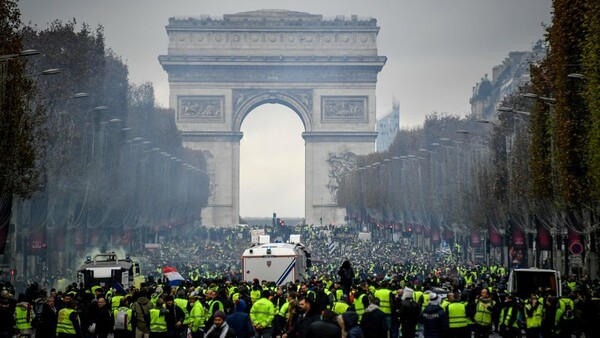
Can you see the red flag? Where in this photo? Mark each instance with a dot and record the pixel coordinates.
(435, 235)
(475, 239)
(518, 237)
(544, 239)
(495, 236)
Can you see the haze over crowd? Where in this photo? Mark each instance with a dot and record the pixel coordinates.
(436, 52)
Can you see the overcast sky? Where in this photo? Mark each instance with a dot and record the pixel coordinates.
(437, 51)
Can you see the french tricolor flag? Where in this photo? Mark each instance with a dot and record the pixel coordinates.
(172, 275)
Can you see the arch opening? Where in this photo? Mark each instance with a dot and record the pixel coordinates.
(272, 162)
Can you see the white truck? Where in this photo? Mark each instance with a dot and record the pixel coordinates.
(277, 262)
(107, 268)
(527, 281)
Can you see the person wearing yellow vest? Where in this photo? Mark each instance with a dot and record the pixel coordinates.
(534, 312)
(285, 316)
(24, 316)
(255, 293)
(182, 302)
(214, 304)
(341, 305)
(361, 301)
(115, 301)
(262, 314)
(158, 322)
(68, 324)
(122, 319)
(510, 317)
(197, 316)
(457, 317)
(552, 318)
(567, 305)
(482, 320)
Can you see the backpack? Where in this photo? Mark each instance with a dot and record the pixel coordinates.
(568, 314)
(121, 319)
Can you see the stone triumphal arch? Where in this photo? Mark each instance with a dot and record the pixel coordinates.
(325, 70)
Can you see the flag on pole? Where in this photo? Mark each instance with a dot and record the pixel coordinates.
(172, 275)
(119, 288)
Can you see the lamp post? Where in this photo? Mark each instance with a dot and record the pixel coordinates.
(10, 154)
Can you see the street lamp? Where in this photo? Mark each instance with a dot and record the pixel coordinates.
(576, 76)
(511, 110)
(485, 122)
(80, 95)
(50, 71)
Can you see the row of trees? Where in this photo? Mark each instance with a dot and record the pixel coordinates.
(93, 160)
(534, 170)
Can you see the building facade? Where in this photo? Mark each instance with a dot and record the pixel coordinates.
(387, 127)
(507, 77)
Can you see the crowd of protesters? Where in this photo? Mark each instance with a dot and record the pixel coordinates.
(358, 289)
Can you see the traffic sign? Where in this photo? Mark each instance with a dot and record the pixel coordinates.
(576, 248)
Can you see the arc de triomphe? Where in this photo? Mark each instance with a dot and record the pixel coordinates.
(325, 70)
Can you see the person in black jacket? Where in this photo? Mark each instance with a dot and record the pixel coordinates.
(327, 327)
(434, 318)
(346, 274)
(7, 324)
(46, 327)
(409, 313)
(373, 323)
(220, 328)
(174, 317)
(103, 319)
(240, 321)
(306, 317)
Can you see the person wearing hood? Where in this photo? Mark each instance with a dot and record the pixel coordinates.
(434, 318)
(240, 321)
(409, 313)
(327, 327)
(197, 313)
(349, 324)
(24, 315)
(141, 313)
(262, 314)
(373, 323)
(220, 328)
